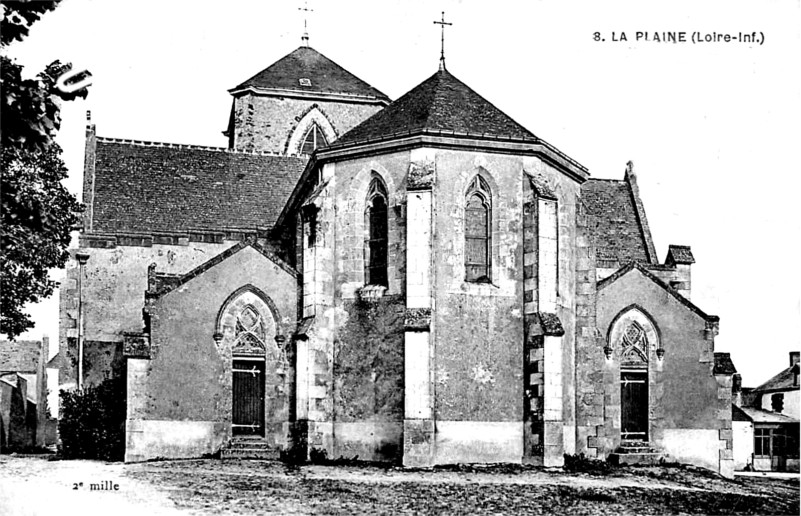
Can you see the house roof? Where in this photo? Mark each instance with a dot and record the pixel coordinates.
(615, 225)
(631, 266)
(440, 103)
(19, 356)
(160, 284)
(757, 415)
(784, 381)
(146, 187)
(55, 362)
(306, 70)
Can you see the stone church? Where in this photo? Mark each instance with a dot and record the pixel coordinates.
(421, 281)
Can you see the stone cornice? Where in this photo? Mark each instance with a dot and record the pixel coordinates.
(310, 95)
(457, 140)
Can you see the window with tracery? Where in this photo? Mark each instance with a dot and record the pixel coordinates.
(313, 140)
(376, 245)
(250, 331)
(635, 345)
(478, 217)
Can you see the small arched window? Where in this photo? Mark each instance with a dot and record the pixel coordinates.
(313, 140)
(478, 217)
(376, 244)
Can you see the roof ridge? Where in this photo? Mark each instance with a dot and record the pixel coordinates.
(189, 146)
(444, 71)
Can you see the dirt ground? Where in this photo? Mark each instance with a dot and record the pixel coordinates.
(35, 485)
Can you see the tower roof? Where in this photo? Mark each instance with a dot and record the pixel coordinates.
(441, 103)
(307, 71)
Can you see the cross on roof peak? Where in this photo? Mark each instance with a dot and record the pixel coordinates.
(442, 23)
(306, 11)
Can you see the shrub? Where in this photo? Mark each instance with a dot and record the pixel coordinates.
(92, 424)
(581, 464)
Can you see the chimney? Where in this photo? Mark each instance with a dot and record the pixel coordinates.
(737, 389)
(90, 153)
(793, 358)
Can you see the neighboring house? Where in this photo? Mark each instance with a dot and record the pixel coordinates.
(23, 394)
(422, 281)
(766, 424)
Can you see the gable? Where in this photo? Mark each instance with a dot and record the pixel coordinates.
(635, 284)
(162, 284)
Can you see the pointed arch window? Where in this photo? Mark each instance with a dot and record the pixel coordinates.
(313, 140)
(376, 234)
(250, 331)
(477, 234)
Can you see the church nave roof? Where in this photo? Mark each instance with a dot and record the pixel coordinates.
(145, 187)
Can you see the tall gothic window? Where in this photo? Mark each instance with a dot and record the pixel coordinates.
(376, 234)
(478, 217)
(314, 139)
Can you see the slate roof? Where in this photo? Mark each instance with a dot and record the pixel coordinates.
(614, 224)
(324, 75)
(19, 356)
(145, 187)
(55, 362)
(758, 415)
(440, 103)
(679, 254)
(784, 381)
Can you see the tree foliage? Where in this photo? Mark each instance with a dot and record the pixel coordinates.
(92, 424)
(38, 212)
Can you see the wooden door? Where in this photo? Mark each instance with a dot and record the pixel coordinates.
(634, 405)
(248, 406)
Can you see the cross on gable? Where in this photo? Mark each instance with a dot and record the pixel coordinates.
(442, 24)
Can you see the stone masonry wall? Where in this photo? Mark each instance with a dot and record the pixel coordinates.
(266, 123)
(114, 284)
(589, 381)
(479, 359)
(368, 380)
(684, 403)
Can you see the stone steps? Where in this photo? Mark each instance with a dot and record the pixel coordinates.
(635, 453)
(249, 448)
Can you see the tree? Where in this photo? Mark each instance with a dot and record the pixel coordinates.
(38, 211)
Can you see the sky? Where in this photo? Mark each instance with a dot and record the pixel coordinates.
(712, 127)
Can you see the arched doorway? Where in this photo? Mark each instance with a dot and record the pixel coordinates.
(634, 384)
(248, 324)
(633, 335)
